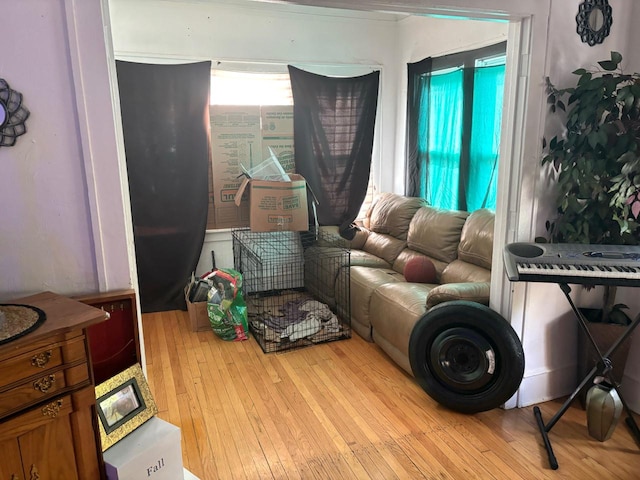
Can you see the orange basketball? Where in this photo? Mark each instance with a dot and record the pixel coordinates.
(420, 270)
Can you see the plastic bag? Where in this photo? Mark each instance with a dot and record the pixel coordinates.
(226, 307)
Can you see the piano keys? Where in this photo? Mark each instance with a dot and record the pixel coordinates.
(573, 263)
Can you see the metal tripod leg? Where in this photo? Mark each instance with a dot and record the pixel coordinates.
(604, 360)
(553, 462)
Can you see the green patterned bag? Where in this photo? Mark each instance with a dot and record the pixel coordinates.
(226, 307)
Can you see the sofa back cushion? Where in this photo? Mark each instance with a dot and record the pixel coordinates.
(436, 233)
(476, 240)
(391, 214)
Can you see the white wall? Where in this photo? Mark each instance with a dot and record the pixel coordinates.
(45, 236)
(47, 240)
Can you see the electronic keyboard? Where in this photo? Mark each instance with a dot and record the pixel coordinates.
(573, 263)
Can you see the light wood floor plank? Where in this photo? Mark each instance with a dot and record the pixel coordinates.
(344, 410)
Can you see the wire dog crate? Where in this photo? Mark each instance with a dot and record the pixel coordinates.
(283, 312)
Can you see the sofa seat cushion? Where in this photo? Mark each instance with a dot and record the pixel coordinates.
(395, 308)
(360, 258)
(364, 281)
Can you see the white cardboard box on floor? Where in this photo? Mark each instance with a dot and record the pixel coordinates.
(152, 451)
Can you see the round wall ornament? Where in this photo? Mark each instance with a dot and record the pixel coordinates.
(13, 114)
(594, 21)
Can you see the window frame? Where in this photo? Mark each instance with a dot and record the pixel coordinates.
(466, 60)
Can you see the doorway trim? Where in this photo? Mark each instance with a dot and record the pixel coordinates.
(523, 121)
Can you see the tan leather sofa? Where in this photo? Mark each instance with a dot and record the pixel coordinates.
(384, 306)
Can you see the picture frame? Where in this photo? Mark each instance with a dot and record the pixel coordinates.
(124, 402)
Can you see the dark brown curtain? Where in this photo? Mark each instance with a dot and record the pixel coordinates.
(334, 121)
(165, 121)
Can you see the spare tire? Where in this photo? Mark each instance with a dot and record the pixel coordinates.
(466, 356)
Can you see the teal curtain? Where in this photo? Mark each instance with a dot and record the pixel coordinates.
(454, 119)
(488, 92)
(444, 139)
(419, 79)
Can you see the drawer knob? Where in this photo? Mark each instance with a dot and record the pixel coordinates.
(44, 384)
(52, 409)
(41, 359)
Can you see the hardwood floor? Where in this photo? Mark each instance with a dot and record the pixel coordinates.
(343, 410)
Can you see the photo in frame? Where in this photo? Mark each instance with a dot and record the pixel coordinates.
(124, 402)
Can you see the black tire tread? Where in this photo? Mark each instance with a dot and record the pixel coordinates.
(480, 318)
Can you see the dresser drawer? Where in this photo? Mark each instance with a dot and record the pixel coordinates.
(41, 388)
(41, 361)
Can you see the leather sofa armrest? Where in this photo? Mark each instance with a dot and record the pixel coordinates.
(330, 237)
(361, 237)
(471, 291)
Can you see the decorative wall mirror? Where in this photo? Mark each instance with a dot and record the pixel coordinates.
(594, 21)
(12, 115)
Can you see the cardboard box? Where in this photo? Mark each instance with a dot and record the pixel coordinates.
(240, 138)
(197, 314)
(277, 134)
(236, 141)
(151, 451)
(276, 206)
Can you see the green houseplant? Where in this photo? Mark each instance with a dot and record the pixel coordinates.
(595, 163)
(596, 159)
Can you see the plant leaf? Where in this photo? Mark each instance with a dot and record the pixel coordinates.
(585, 78)
(608, 65)
(616, 57)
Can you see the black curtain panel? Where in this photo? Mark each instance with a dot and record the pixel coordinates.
(165, 120)
(417, 126)
(334, 121)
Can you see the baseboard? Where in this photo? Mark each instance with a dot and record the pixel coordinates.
(545, 386)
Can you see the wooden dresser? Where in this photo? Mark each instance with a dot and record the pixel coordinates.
(48, 421)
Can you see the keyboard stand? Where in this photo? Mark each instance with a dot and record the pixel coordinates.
(603, 368)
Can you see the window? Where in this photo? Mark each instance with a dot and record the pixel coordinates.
(243, 86)
(247, 88)
(453, 118)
